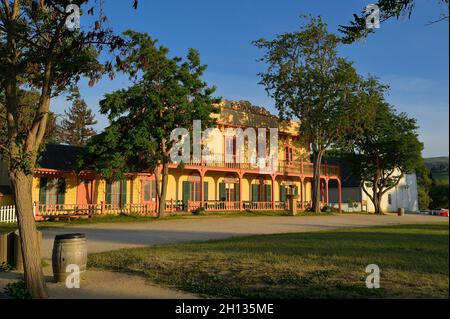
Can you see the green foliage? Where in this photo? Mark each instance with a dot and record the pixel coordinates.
(17, 290)
(310, 82)
(438, 167)
(387, 150)
(76, 126)
(424, 183)
(39, 54)
(199, 211)
(388, 9)
(28, 105)
(5, 267)
(439, 195)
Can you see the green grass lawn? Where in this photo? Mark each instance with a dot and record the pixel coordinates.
(331, 264)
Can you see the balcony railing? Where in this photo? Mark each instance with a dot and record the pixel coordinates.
(283, 167)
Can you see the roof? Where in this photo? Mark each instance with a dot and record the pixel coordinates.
(5, 190)
(245, 114)
(347, 178)
(60, 157)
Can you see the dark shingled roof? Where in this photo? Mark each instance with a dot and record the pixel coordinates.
(5, 190)
(348, 180)
(60, 157)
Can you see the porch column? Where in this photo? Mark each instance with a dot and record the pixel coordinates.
(273, 192)
(302, 186)
(327, 197)
(241, 207)
(340, 195)
(202, 189)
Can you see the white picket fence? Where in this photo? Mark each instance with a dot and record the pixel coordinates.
(8, 214)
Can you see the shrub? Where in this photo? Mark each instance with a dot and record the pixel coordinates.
(199, 211)
(5, 267)
(17, 290)
(327, 209)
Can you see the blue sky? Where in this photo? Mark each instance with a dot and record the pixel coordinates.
(410, 56)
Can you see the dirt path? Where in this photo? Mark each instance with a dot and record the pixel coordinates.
(107, 237)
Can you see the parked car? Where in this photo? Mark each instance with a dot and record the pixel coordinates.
(441, 212)
(437, 212)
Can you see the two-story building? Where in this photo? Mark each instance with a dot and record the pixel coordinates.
(224, 184)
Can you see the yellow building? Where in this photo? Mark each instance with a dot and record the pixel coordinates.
(221, 184)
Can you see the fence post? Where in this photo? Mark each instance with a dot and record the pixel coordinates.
(37, 211)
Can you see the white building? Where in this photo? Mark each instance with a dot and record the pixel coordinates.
(404, 195)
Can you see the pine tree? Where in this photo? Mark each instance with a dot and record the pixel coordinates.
(76, 125)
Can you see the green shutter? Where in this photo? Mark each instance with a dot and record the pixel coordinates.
(238, 193)
(282, 194)
(43, 190)
(205, 191)
(123, 192)
(186, 193)
(295, 190)
(255, 193)
(268, 193)
(222, 192)
(108, 193)
(61, 191)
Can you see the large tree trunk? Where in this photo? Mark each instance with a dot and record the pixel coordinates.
(377, 204)
(377, 193)
(33, 275)
(316, 192)
(164, 180)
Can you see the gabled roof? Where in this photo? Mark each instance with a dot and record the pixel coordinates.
(60, 157)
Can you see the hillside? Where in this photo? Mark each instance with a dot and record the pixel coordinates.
(438, 167)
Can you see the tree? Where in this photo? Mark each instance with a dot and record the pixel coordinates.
(386, 151)
(424, 183)
(38, 52)
(75, 128)
(388, 9)
(308, 81)
(28, 100)
(167, 93)
(439, 194)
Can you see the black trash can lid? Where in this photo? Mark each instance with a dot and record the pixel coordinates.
(70, 236)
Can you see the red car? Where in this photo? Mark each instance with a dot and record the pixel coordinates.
(441, 212)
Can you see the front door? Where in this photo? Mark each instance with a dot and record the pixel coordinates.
(148, 191)
(85, 192)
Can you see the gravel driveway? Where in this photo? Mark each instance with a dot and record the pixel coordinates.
(107, 237)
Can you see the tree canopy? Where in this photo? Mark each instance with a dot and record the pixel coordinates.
(166, 93)
(388, 149)
(38, 52)
(310, 82)
(357, 29)
(75, 127)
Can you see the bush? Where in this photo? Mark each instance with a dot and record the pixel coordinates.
(5, 267)
(17, 290)
(199, 211)
(327, 209)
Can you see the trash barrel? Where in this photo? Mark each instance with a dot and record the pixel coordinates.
(15, 249)
(69, 249)
(401, 212)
